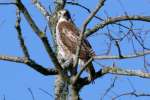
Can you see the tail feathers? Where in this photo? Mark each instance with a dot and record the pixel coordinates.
(91, 71)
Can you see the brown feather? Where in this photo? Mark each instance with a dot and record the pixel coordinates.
(69, 36)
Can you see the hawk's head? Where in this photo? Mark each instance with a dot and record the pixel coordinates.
(63, 14)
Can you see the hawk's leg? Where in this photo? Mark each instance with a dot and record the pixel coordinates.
(67, 63)
(68, 66)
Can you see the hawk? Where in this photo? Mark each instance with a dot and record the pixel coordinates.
(67, 37)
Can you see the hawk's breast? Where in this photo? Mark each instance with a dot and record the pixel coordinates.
(67, 36)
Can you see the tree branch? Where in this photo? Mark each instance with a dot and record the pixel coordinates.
(41, 69)
(51, 18)
(81, 71)
(119, 49)
(31, 92)
(42, 9)
(114, 20)
(29, 19)
(30, 63)
(132, 93)
(100, 4)
(109, 88)
(13, 59)
(138, 54)
(114, 70)
(10, 3)
(89, 11)
(120, 71)
(40, 34)
(21, 39)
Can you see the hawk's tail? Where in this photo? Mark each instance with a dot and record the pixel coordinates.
(91, 71)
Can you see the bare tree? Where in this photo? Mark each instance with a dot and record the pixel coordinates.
(119, 32)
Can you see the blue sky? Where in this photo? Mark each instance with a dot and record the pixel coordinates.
(16, 79)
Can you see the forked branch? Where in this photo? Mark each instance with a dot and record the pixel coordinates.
(117, 71)
(40, 34)
(114, 20)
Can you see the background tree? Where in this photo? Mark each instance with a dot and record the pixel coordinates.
(119, 34)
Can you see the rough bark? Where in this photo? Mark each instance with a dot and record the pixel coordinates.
(61, 88)
(74, 93)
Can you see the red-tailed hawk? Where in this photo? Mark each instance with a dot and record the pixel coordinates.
(67, 36)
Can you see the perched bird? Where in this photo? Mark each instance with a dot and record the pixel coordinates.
(67, 37)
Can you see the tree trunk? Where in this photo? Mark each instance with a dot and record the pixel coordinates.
(74, 93)
(61, 89)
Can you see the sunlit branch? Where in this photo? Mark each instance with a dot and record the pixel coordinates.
(30, 63)
(120, 71)
(13, 59)
(138, 54)
(114, 20)
(117, 71)
(42, 9)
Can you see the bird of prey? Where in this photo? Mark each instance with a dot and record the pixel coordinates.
(67, 37)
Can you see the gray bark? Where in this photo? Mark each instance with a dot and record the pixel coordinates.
(61, 89)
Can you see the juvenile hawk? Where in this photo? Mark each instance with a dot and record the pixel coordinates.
(67, 36)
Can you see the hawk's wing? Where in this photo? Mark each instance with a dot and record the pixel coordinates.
(69, 35)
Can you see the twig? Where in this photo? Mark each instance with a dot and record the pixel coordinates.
(131, 84)
(21, 39)
(30, 91)
(132, 93)
(46, 92)
(87, 9)
(10, 3)
(119, 49)
(80, 5)
(109, 88)
(41, 9)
